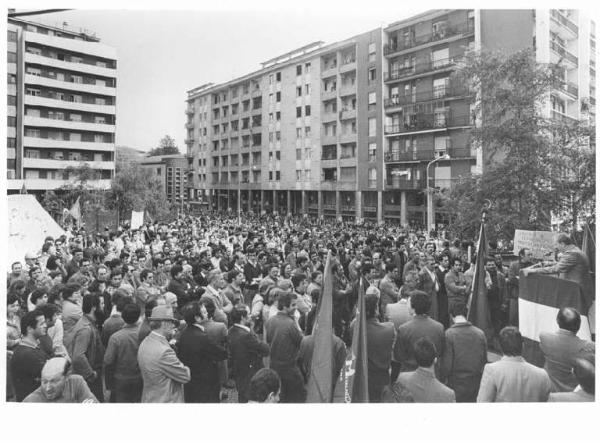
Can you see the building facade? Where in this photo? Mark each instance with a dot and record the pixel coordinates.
(61, 106)
(369, 127)
(172, 171)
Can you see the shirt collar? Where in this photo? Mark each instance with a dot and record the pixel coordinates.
(516, 358)
(245, 328)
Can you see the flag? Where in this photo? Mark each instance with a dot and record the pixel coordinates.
(357, 374)
(479, 312)
(75, 211)
(320, 381)
(588, 246)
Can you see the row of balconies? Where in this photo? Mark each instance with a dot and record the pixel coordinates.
(429, 66)
(429, 154)
(562, 52)
(557, 15)
(429, 121)
(437, 93)
(418, 40)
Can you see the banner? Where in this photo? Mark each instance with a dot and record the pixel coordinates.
(479, 312)
(541, 243)
(137, 219)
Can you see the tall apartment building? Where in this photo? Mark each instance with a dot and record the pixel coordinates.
(353, 129)
(172, 171)
(61, 106)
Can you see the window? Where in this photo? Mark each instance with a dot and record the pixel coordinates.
(298, 154)
(12, 36)
(307, 68)
(307, 110)
(278, 97)
(12, 79)
(307, 89)
(372, 100)
(12, 57)
(12, 121)
(76, 79)
(372, 151)
(439, 30)
(277, 175)
(347, 173)
(372, 52)
(307, 131)
(298, 112)
(278, 136)
(299, 69)
(439, 87)
(278, 76)
(278, 155)
(372, 74)
(75, 117)
(34, 71)
(271, 79)
(372, 126)
(372, 177)
(299, 91)
(298, 175)
(440, 57)
(33, 92)
(270, 176)
(278, 116)
(12, 100)
(11, 143)
(298, 132)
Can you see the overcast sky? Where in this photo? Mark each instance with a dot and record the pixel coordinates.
(163, 54)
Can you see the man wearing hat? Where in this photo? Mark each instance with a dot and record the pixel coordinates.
(163, 373)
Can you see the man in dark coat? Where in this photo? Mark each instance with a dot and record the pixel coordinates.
(245, 349)
(198, 352)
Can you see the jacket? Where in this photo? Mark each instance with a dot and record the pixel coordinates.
(71, 313)
(428, 285)
(410, 332)
(456, 285)
(84, 346)
(572, 265)
(246, 356)
(512, 379)
(425, 388)
(163, 374)
(560, 349)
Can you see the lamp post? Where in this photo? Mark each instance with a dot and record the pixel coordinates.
(429, 191)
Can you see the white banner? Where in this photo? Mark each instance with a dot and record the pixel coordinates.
(541, 243)
(137, 219)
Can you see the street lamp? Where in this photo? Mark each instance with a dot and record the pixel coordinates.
(429, 191)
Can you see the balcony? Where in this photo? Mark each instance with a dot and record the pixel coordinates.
(329, 117)
(418, 155)
(418, 40)
(559, 116)
(328, 94)
(429, 66)
(429, 121)
(46, 81)
(45, 143)
(347, 114)
(60, 164)
(329, 207)
(55, 184)
(401, 183)
(68, 65)
(329, 70)
(570, 89)
(348, 89)
(563, 53)
(557, 15)
(437, 93)
(461, 153)
(189, 141)
(34, 121)
(56, 103)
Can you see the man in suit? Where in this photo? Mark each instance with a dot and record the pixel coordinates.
(252, 274)
(525, 256)
(465, 356)
(387, 287)
(380, 341)
(163, 374)
(202, 355)
(456, 284)
(429, 284)
(422, 384)
(440, 271)
(512, 379)
(245, 349)
(421, 325)
(562, 347)
(585, 372)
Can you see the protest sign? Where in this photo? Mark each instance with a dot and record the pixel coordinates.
(541, 243)
(137, 219)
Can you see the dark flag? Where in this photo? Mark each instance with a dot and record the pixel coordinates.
(320, 382)
(479, 312)
(588, 246)
(357, 374)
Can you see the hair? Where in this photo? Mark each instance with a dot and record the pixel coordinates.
(11, 298)
(209, 305)
(33, 269)
(301, 259)
(420, 302)
(263, 383)
(144, 274)
(297, 279)
(457, 309)
(424, 351)
(130, 312)
(456, 259)
(522, 252)
(572, 323)
(89, 302)
(238, 313)
(314, 275)
(371, 303)
(48, 309)
(565, 239)
(70, 289)
(114, 273)
(511, 341)
(285, 299)
(191, 311)
(122, 301)
(38, 293)
(149, 306)
(176, 269)
(390, 267)
(585, 372)
(231, 275)
(29, 320)
(366, 269)
(17, 285)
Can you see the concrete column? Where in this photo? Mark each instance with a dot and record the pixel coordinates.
(262, 201)
(304, 198)
(289, 202)
(239, 200)
(358, 206)
(320, 203)
(403, 209)
(379, 207)
(218, 200)
(338, 211)
(275, 201)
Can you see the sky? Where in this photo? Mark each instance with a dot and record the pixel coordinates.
(163, 54)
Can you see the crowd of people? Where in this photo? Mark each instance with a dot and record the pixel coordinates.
(193, 311)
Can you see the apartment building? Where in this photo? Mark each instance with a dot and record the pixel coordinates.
(172, 171)
(61, 106)
(369, 127)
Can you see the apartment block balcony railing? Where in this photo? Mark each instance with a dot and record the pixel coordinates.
(418, 68)
(560, 50)
(565, 21)
(429, 121)
(189, 111)
(189, 141)
(372, 183)
(417, 155)
(417, 40)
(328, 156)
(369, 209)
(562, 117)
(571, 89)
(401, 183)
(437, 93)
(330, 207)
(313, 206)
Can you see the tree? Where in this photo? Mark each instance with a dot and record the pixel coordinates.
(166, 147)
(534, 166)
(136, 188)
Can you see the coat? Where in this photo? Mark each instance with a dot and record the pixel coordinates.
(246, 357)
(560, 349)
(512, 379)
(202, 355)
(380, 341)
(163, 374)
(84, 345)
(426, 284)
(425, 388)
(410, 332)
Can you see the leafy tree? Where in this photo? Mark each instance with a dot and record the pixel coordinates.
(166, 147)
(534, 166)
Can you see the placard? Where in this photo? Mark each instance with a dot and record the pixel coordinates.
(541, 243)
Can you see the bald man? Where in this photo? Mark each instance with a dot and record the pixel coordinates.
(58, 386)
